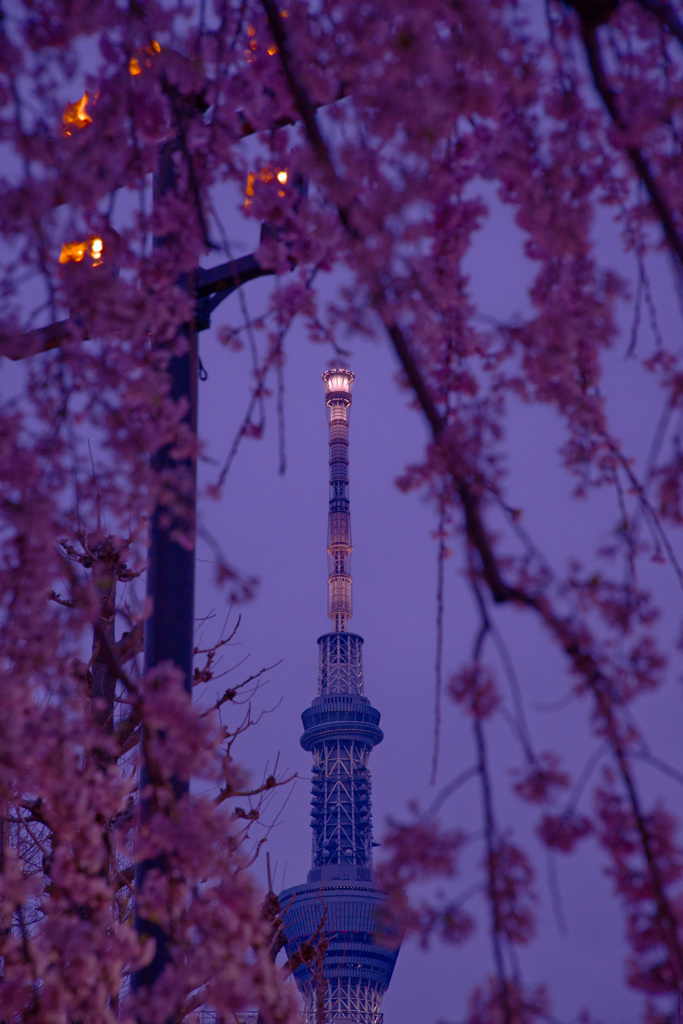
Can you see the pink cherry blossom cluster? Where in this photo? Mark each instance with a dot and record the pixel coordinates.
(412, 125)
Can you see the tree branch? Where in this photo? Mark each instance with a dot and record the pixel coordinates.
(640, 164)
(664, 13)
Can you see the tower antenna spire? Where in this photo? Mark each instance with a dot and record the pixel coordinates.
(341, 901)
(338, 385)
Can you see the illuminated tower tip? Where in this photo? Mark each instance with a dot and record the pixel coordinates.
(338, 384)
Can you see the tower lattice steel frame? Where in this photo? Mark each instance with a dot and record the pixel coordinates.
(339, 909)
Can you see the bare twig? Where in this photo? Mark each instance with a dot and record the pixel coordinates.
(438, 663)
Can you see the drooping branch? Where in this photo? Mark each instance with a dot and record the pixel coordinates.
(567, 636)
(664, 212)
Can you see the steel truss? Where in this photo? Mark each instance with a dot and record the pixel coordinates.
(340, 804)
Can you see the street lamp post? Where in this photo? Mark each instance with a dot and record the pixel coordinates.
(169, 630)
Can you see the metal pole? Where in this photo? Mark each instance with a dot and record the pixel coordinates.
(169, 631)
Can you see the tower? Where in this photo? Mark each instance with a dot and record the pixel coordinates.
(338, 911)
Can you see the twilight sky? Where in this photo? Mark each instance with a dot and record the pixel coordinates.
(275, 527)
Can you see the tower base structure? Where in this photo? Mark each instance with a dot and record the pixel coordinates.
(340, 911)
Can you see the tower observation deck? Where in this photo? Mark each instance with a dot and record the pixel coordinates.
(340, 904)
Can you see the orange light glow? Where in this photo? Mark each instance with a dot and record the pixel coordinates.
(76, 115)
(253, 45)
(135, 67)
(75, 252)
(266, 175)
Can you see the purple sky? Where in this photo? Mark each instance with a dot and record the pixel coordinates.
(275, 527)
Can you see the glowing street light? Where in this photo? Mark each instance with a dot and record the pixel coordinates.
(266, 175)
(135, 67)
(75, 252)
(76, 115)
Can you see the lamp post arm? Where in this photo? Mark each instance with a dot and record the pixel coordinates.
(214, 285)
(228, 276)
(211, 287)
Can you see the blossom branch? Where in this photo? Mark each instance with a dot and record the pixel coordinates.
(640, 164)
(570, 638)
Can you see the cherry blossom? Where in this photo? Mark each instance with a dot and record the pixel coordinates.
(403, 129)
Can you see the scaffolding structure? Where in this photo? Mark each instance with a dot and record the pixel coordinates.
(340, 902)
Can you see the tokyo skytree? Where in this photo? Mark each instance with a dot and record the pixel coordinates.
(346, 947)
